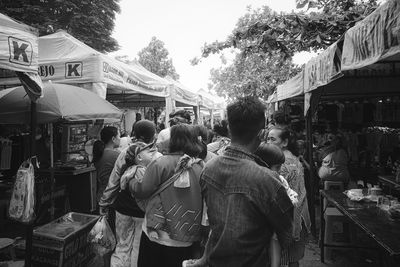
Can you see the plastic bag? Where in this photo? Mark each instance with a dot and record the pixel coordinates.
(101, 237)
(22, 201)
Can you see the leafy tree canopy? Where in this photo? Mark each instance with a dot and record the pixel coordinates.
(257, 73)
(88, 20)
(324, 22)
(267, 40)
(154, 58)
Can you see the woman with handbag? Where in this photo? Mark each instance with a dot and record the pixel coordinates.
(130, 165)
(174, 205)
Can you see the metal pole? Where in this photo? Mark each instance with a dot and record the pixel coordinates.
(52, 179)
(29, 227)
(311, 193)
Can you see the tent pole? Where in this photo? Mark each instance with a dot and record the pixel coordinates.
(29, 227)
(52, 180)
(311, 193)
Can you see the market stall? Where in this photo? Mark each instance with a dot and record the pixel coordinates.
(19, 54)
(70, 114)
(354, 84)
(361, 73)
(67, 182)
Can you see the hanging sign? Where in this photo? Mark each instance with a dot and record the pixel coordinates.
(375, 38)
(322, 69)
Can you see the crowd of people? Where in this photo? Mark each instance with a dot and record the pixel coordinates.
(188, 196)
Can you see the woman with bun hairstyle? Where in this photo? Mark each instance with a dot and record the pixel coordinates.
(292, 170)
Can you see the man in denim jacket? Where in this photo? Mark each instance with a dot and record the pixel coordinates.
(246, 202)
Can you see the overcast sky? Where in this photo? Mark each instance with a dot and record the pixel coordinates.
(184, 26)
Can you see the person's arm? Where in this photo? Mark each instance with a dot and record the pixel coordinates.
(202, 262)
(280, 216)
(304, 161)
(113, 186)
(140, 171)
(151, 180)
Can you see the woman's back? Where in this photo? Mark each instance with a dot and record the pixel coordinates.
(334, 166)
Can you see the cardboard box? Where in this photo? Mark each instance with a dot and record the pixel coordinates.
(63, 242)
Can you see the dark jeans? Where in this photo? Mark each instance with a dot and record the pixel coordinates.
(152, 254)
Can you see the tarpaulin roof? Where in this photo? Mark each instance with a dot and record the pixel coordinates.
(19, 52)
(375, 38)
(323, 68)
(292, 87)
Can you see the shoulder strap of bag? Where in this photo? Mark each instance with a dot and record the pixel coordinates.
(172, 179)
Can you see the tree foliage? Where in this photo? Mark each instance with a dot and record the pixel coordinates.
(88, 20)
(267, 40)
(324, 23)
(154, 58)
(256, 74)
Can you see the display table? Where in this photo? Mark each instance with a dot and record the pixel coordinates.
(373, 221)
(80, 184)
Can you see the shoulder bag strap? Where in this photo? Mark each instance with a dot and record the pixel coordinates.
(165, 184)
(172, 179)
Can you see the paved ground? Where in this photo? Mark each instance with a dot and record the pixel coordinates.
(346, 258)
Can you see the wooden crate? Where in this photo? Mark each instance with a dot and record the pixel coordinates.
(63, 242)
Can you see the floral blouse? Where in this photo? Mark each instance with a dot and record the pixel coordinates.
(292, 170)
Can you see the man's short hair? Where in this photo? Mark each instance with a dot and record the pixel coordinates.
(245, 119)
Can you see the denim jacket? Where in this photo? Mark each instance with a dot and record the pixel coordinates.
(246, 205)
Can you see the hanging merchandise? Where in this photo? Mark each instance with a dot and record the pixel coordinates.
(22, 201)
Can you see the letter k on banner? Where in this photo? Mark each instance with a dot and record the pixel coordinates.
(20, 51)
(73, 70)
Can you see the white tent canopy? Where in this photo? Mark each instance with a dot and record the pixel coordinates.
(18, 46)
(65, 59)
(210, 101)
(19, 53)
(182, 95)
